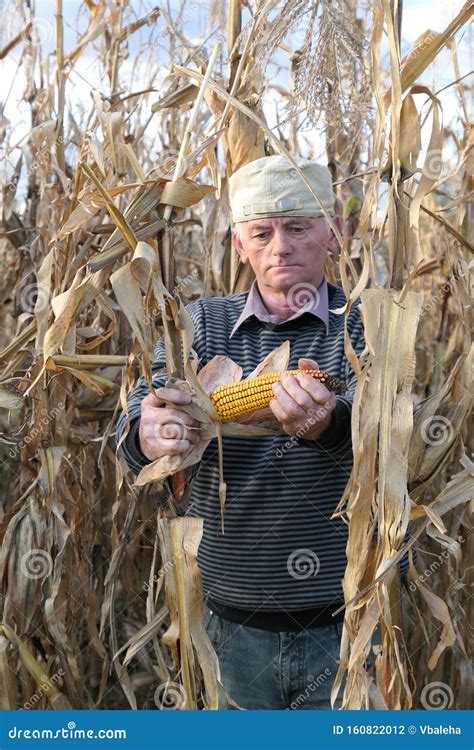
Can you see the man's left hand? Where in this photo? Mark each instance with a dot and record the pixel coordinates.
(302, 404)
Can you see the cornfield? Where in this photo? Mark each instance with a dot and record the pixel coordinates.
(120, 126)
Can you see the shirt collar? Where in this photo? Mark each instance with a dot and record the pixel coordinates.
(317, 306)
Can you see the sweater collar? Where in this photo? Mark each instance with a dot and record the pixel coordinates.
(316, 305)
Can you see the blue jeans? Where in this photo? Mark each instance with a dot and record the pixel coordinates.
(262, 670)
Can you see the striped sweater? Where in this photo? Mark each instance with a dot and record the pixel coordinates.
(280, 549)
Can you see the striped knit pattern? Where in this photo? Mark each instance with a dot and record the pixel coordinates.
(280, 548)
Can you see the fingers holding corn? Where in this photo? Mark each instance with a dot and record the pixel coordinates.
(303, 405)
(164, 430)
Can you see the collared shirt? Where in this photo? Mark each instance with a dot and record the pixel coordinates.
(305, 299)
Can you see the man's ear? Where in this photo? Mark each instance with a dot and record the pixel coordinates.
(333, 245)
(239, 247)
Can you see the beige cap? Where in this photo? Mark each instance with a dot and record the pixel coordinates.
(271, 186)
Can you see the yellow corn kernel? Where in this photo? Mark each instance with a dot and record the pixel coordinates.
(245, 397)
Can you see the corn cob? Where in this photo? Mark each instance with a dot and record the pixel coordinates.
(244, 397)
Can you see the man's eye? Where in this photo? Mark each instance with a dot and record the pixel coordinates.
(297, 230)
(261, 236)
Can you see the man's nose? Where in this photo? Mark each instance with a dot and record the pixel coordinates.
(281, 244)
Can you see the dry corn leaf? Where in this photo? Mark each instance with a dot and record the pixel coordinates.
(440, 611)
(377, 488)
(56, 699)
(430, 171)
(8, 688)
(10, 396)
(189, 642)
(437, 423)
(410, 140)
(184, 193)
(428, 44)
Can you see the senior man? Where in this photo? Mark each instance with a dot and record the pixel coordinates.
(273, 579)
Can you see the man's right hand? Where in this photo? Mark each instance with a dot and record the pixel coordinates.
(165, 431)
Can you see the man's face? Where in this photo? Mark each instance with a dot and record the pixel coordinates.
(285, 251)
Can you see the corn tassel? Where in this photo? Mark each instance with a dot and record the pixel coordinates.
(245, 397)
